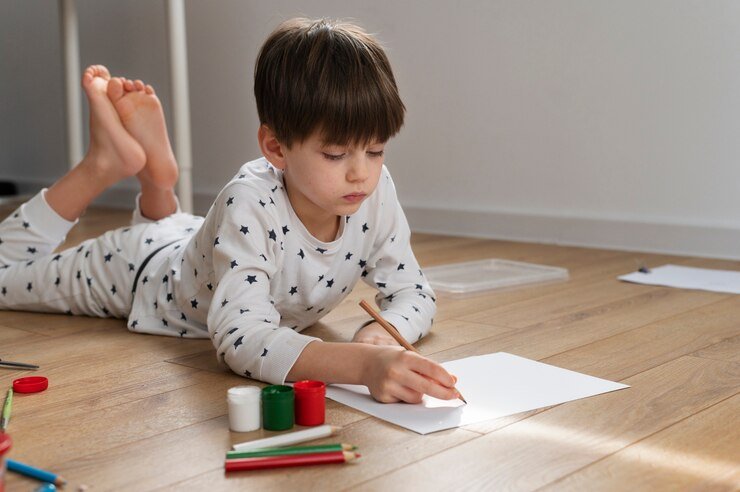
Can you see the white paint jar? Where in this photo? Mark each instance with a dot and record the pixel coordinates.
(244, 408)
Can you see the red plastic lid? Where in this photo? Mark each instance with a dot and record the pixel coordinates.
(31, 384)
(5, 443)
(309, 386)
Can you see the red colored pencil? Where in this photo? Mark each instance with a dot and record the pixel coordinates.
(289, 460)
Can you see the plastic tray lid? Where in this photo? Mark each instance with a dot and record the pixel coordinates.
(473, 277)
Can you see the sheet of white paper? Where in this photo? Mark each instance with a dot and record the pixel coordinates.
(495, 385)
(688, 278)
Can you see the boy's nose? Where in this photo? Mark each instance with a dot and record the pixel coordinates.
(358, 170)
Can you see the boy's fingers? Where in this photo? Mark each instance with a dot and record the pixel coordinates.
(428, 386)
(406, 394)
(433, 370)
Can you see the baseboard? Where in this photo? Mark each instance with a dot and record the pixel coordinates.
(650, 237)
(680, 239)
(120, 196)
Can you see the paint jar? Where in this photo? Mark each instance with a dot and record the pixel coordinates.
(5, 444)
(244, 408)
(310, 403)
(277, 407)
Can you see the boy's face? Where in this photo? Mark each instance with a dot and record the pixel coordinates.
(326, 180)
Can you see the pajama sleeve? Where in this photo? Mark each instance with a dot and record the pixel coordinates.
(242, 320)
(404, 296)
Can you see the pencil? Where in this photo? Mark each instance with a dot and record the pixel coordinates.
(33, 472)
(259, 453)
(5, 418)
(288, 439)
(284, 461)
(394, 333)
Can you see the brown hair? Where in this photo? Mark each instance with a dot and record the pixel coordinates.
(329, 77)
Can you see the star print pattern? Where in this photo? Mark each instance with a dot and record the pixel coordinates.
(252, 250)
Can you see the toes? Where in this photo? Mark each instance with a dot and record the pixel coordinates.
(149, 90)
(139, 85)
(128, 85)
(102, 72)
(115, 89)
(87, 78)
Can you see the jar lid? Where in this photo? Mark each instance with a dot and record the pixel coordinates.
(30, 384)
(277, 392)
(310, 386)
(5, 443)
(243, 393)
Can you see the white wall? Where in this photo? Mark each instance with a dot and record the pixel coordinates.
(584, 121)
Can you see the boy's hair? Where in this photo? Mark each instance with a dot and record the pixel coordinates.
(329, 77)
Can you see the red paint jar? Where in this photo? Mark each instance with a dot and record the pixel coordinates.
(310, 403)
(5, 443)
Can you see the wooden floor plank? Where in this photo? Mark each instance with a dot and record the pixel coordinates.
(552, 444)
(727, 349)
(583, 327)
(668, 459)
(655, 343)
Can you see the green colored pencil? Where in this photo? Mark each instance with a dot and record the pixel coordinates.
(6, 411)
(258, 453)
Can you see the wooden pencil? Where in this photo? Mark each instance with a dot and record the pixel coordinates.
(288, 439)
(394, 333)
(37, 473)
(7, 406)
(258, 453)
(289, 460)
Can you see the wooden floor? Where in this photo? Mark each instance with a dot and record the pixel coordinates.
(135, 412)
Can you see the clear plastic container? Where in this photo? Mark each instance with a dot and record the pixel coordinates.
(477, 277)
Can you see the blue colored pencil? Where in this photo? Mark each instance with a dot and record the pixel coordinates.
(33, 472)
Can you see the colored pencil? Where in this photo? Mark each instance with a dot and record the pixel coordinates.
(394, 333)
(284, 461)
(5, 418)
(17, 365)
(37, 473)
(260, 453)
(288, 439)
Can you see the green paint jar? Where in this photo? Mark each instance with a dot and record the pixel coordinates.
(277, 407)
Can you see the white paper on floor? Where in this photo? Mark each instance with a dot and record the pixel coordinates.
(688, 278)
(495, 385)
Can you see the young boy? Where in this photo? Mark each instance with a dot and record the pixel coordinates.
(283, 243)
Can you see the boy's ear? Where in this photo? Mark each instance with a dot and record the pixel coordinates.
(271, 148)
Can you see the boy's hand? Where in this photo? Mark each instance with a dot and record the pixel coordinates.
(374, 334)
(395, 374)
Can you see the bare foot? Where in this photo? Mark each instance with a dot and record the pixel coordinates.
(141, 113)
(113, 153)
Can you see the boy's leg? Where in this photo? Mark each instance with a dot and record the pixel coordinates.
(113, 153)
(31, 277)
(141, 114)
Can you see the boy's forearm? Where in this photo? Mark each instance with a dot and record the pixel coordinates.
(332, 362)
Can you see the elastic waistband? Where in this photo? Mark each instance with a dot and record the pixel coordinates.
(146, 260)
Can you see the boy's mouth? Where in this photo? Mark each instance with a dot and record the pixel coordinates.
(354, 197)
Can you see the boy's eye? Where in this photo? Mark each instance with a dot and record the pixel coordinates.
(377, 153)
(333, 157)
